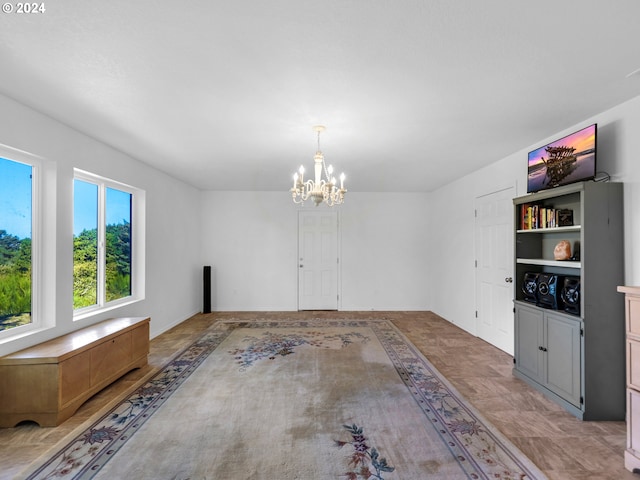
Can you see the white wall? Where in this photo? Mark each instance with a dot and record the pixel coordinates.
(452, 256)
(251, 241)
(385, 244)
(173, 278)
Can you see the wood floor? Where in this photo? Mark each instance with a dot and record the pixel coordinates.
(562, 446)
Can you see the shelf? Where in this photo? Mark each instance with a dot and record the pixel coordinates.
(549, 263)
(572, 228)
(568, 316)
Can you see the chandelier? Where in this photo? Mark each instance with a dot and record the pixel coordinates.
(320, 189)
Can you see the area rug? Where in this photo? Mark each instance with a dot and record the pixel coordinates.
(292, 400)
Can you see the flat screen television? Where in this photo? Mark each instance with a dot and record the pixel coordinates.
(568, 160)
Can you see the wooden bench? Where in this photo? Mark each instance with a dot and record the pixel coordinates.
(48, 382)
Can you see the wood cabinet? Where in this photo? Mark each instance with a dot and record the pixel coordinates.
(48, 382)
(632, 327)
(571, 351)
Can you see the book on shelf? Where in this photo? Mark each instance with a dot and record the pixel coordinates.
(565, 218)
(524, 216)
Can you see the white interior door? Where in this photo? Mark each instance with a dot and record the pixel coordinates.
(318, 260)
(494, 269)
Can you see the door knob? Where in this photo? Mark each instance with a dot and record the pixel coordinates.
(509, 279)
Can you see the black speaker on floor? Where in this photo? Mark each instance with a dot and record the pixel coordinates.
(206, 282)
(571, 295)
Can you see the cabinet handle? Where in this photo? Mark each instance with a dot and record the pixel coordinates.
(542, 348)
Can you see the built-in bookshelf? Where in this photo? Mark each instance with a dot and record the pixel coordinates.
(571, 352)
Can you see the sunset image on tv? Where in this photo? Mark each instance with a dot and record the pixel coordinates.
(567, 160)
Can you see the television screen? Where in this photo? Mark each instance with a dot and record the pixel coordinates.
(567, 160)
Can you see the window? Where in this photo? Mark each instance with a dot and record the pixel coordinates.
(16, 221)
(118, 244)
(105, 233)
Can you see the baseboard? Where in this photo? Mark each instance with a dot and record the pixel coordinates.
(155, 333)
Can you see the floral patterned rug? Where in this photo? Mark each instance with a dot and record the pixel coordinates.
(292, 400)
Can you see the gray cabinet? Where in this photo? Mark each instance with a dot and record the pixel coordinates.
(570, 350)
(562, 352)
(548, 346)
(529, 337)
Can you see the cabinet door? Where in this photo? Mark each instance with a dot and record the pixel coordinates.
(75, 377)
(633, 364)
(529, 338)
(110, 358)
(140, 341)
(562, 373)
(633, 420)
(633, 315)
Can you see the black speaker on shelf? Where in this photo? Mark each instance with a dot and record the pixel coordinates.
(571, 295)
(549, 288)
(530, 287)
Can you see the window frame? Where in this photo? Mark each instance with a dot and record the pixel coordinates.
(43, 256)
(137, 245)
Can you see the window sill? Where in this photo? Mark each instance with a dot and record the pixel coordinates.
(92, 311)
(26, 332)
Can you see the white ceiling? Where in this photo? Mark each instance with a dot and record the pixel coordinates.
(414, 93)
